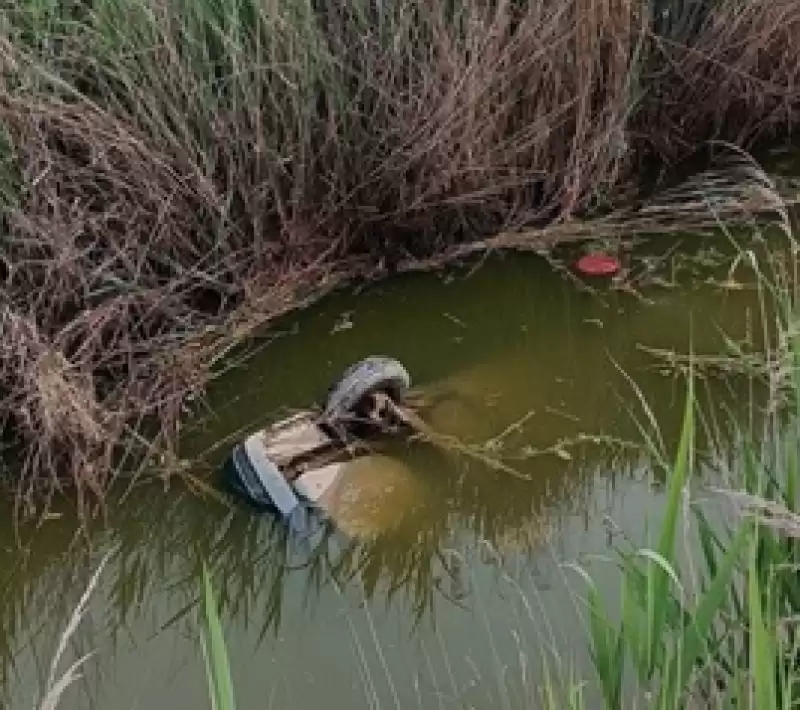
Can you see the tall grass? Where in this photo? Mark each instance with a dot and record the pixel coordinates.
(218, 672)
(667, 633)
(56, 684)
(174, 173)
(716, 626)
(212, 641)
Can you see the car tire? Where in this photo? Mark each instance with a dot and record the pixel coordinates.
(368, 376)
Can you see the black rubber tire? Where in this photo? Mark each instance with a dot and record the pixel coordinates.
(368, 376)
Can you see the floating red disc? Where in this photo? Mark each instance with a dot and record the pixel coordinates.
(598, 265)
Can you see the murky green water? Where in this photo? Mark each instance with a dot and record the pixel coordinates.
(458, 591)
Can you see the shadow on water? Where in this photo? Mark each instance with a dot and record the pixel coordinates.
(447, 550)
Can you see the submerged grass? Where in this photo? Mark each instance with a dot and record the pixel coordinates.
(175, 173)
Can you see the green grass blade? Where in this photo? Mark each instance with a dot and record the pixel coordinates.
(212, 693)
(607, 645)
(762, 644)
(657, 578)
(698, 632)
(217, 665)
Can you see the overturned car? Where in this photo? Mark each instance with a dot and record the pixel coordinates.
(298, 462)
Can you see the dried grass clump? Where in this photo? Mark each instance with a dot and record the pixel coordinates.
(729, 71)
(173, 173)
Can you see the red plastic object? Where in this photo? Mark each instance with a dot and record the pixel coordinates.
(598, 265)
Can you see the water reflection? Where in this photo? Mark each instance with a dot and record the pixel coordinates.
(535, 372)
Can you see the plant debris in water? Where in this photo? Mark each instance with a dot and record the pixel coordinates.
(161, 199)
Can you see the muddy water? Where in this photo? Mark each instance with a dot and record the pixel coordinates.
(444, 587)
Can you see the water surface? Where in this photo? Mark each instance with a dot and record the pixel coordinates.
(453, 589)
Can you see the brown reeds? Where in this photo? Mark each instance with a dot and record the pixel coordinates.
(733, 77)
(174, 173)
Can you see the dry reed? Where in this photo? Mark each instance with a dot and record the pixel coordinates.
(174, 174)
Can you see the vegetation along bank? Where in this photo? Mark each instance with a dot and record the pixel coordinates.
(175, 173)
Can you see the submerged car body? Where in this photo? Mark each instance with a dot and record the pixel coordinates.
(305, 460)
